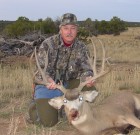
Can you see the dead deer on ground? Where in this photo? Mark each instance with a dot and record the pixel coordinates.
(117, 112)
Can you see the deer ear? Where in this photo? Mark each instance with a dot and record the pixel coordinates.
(90, 95)
(56, 102)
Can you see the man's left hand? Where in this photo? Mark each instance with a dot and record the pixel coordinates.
(90, 83)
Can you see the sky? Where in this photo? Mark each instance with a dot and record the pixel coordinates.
(127, 10)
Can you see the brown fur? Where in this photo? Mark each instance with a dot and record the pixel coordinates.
(71, 94)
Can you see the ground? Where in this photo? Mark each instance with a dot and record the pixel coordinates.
(124, 50)
(19, 126)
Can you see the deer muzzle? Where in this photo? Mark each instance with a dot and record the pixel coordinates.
(73, 115)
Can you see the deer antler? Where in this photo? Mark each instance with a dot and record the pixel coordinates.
(45, 77)
(92, 63)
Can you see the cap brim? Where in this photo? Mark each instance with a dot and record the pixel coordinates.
(63, 24)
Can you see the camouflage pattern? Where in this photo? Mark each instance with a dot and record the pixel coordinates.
(71, 59)
(68, 18)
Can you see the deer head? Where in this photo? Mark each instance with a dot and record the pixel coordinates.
(73, 102)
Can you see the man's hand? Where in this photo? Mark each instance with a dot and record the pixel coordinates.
(90, 83)
(52, 84)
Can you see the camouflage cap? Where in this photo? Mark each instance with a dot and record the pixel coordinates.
(68, 18)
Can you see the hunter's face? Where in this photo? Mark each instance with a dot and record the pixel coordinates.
(68, 33)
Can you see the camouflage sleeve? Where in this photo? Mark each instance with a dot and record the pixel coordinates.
(85, 67)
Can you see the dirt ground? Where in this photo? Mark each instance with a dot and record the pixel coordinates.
(20, 127)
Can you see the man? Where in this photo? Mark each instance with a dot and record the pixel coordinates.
(67, 61)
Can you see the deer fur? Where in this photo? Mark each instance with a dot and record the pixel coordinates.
(113, 116)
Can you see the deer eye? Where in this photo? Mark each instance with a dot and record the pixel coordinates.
(80, 98)
(65, 100)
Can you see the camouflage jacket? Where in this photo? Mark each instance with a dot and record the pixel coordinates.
(64, 63)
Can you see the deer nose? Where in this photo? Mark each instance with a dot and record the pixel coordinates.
(73, 110)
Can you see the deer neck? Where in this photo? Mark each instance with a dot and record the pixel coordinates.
(89, 121)
(85, 121)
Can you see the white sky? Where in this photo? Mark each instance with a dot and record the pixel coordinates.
(127, 10)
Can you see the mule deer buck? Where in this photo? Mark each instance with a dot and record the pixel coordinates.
(113, 116)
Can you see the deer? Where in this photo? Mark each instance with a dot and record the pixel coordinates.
(114, 116)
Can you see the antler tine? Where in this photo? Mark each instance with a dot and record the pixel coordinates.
(41, 71)
(92, 61)
(104, 57)
(46, 61)
(61, 87)
(45, 81)
(93, 65)
(102, 71)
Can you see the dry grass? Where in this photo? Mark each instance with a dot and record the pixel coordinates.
(16, 86)
(123, 48)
